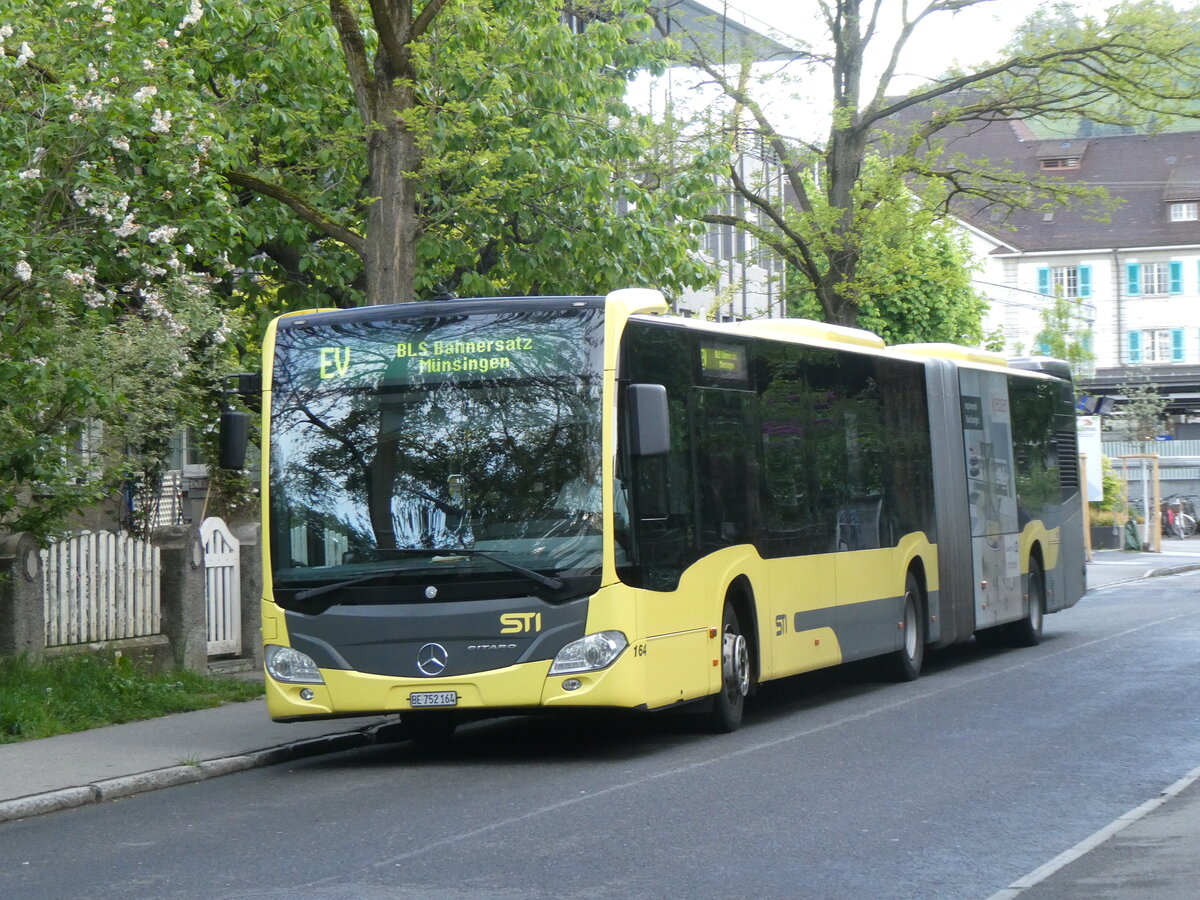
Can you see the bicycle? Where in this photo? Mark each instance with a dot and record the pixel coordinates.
(1177, 520)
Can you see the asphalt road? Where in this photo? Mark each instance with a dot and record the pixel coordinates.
(837, 786)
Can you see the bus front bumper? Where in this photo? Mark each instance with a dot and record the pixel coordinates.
(524, 686)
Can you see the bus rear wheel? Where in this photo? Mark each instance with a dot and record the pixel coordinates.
(905, 664)
(1027, 632)
(725, 715)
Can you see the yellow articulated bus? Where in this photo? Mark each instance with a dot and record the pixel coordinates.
(479, 507)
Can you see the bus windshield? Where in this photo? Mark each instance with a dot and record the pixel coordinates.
(396, 442)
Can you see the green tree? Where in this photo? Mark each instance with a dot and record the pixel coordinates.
(913, 281)
(478, 146)
(113, 235)
(1142, 53)
(1064, 334)
(166, 162)
(1142, 415)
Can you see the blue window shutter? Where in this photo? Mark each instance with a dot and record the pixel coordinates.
(1135, 346)
(1044, 280)
(1176, 345)
(1133, 280)
(1085, 282)
(1176, 277)
(1087, 342)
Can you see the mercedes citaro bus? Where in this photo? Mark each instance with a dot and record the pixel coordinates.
(490, 506)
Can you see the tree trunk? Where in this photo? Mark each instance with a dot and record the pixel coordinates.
(394, 157)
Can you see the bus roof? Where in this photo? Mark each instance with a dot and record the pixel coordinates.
(954, 352)
(809, 329)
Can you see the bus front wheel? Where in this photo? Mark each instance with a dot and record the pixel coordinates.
(730, 701)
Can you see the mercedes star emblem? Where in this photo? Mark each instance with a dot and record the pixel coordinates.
(431, 659)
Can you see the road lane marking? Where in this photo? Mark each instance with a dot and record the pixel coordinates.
(1119, 824)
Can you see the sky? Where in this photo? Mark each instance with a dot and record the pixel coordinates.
(968, 37)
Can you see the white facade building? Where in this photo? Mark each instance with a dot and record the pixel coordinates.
(1133, 272)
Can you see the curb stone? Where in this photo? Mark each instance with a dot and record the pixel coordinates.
(1174, 570)
(128, 785)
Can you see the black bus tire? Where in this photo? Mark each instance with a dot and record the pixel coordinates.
(1027, 632)
(725, 716)
(905, 664)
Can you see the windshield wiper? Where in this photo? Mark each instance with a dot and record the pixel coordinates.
(338, 585)
(551, 582)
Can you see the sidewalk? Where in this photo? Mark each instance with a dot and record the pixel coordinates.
(1153, 851)
(1109, 567)
(72, 770)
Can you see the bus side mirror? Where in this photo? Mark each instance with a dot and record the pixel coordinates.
(233, 438)
(649, 420)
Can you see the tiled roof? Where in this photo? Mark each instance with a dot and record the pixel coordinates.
(1145, 171)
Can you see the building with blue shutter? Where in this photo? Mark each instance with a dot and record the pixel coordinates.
(1133, 271)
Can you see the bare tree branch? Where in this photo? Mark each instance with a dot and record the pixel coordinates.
(304, 210)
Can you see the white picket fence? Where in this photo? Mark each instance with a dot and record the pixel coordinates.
(100, 586)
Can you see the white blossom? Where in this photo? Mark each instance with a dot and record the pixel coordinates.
(160, 121)
(195, 11)
(141, 95)
(22, 270)
(25, 55)
(29, 174)
(6, 31)
(120, 143)
(93, 74)
(147, 65)
(163, 234)
(92, 100)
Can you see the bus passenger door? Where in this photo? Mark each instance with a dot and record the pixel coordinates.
(992, 497)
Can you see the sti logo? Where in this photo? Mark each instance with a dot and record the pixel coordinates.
(520, 623)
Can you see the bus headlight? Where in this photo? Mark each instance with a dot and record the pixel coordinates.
(589, 653)
(291, 666)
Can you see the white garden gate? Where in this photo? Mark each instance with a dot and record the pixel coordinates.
(222, 587)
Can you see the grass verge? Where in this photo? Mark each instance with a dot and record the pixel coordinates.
(87, 690)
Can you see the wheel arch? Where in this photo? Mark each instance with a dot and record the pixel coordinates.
(740, 595)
